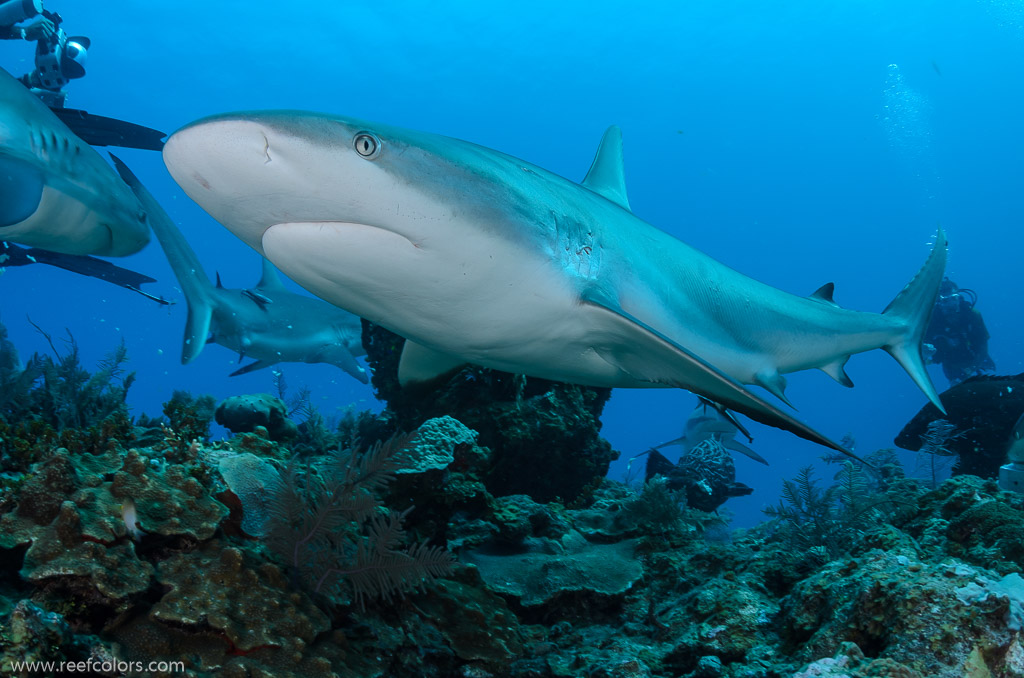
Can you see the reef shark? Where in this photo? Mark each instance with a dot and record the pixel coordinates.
(56, 192)
(706, 422)
(266, 322)
(476, 256)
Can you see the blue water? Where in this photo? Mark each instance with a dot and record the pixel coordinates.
(798, 142)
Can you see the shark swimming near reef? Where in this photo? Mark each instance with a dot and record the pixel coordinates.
(56, 192)
(478, 257)
(266, 322)
(706, 422)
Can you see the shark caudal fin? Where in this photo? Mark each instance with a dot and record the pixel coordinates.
(912, 307)
(183, 260)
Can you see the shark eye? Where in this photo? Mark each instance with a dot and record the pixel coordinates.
(367, 145)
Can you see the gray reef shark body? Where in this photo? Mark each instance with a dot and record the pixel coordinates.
(706, 422)
(56, 192)
(476, 256)
(267, 322)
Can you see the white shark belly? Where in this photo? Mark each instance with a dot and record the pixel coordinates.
(510, 311)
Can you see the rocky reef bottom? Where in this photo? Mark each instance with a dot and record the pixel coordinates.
(237, 559)
(294, 548)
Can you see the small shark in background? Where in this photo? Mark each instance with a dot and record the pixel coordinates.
(706, 422)
(266, 322)
(478, 257)
(56, 192)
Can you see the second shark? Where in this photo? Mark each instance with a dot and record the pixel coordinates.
(267, 323)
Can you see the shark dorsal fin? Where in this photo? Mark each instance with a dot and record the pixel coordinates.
(270, 279)
(824, 293)
(219, 285)
(606, 176)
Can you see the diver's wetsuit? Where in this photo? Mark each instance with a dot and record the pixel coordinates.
(17, 255)
(960, 338)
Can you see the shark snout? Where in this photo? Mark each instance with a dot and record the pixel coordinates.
(253, 171)
(220, 164)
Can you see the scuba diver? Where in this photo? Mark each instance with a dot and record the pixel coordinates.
(60, 59)
(957, 337)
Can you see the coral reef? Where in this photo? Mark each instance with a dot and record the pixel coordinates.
(526, 423)
(315, 555)
(244, 413)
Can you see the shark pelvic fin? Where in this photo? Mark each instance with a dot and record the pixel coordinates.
(252, 367)
(606, 176)
(648, 355)
(419, 363)
(912, 308)
(341, 357)
(835, 369)
(824, 294)
(774, 383)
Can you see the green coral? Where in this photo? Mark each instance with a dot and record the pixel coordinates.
(329, 528)
(832, 518)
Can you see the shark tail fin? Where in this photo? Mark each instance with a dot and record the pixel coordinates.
(912, 308)
(183, 260)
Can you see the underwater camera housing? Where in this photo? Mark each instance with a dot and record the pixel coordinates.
(59, 59)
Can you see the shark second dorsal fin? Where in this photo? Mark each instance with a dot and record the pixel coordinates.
(606, 175)
(270, 280)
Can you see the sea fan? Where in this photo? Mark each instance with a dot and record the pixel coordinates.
(329, 526)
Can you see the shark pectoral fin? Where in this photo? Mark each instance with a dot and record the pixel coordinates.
(252, 367)
(676, 441)
(835, 369)
(743, 449)
(419, 363)
(606, 176)
(197, 327)
(647, 355)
